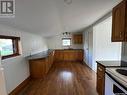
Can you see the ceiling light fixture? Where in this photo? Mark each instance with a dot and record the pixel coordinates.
(68, 2)
(66, 33)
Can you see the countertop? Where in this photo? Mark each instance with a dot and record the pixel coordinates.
(45, 54)
(69, 49)
(112, 63)
(40, 55)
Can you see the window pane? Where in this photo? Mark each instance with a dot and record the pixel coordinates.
(66, 42)
(6, 47)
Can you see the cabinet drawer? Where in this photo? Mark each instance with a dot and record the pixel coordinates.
(100, 70)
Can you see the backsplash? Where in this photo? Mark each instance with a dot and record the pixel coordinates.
(124, 51)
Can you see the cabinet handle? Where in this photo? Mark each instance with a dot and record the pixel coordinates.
(100, 69)
(120, 34)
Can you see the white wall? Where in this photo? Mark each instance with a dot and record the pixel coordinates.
(103, 48)
(55, 42)
(124, 51)
(17, 68)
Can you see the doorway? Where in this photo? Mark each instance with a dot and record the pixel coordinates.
(88, 47)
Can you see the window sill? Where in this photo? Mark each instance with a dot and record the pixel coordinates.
(10, 56)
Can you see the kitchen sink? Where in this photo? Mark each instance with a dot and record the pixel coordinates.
(122, 71)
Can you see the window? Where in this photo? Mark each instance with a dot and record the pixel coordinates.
(9, 46)
(66, 41)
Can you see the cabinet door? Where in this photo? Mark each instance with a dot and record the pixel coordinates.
(59, 56)
(80, 56)
(74, 39)
(100, 79)
(65, 55)
(80, 39)
(100, 85)
(37, 68)
(118, 26)
(77, 39)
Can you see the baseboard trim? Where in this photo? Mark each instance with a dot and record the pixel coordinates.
(20, 87)
(88, 66)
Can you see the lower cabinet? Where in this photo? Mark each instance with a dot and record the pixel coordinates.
(37, 68)
(40, 67)
(68, 55)
(100, 79)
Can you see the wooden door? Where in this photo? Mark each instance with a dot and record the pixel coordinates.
(118, 26)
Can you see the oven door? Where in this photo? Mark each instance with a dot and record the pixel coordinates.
(108, 85)
(117, 90)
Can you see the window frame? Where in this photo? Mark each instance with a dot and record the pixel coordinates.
(15, 42)
(66, 45)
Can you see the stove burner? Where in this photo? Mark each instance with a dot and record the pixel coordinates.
(122, 71)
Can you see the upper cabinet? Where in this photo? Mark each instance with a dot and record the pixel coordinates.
(119, 23)
(77, 38)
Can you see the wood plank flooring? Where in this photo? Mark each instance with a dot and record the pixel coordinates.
(64, 78)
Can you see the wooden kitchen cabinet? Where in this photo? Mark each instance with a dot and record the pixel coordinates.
(100, 79)
(119, 22)
(77, 38)
(37, 68)
(40, 67)
(68, 55)
(58, 56)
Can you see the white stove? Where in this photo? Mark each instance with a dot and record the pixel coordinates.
(118, 76)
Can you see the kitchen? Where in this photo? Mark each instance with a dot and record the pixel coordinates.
(62, 57)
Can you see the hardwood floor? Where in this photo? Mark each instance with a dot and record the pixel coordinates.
(64, 78)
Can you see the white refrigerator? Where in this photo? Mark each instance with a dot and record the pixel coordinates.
(2, 80)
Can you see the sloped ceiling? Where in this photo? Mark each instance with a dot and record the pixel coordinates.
(51, 17)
